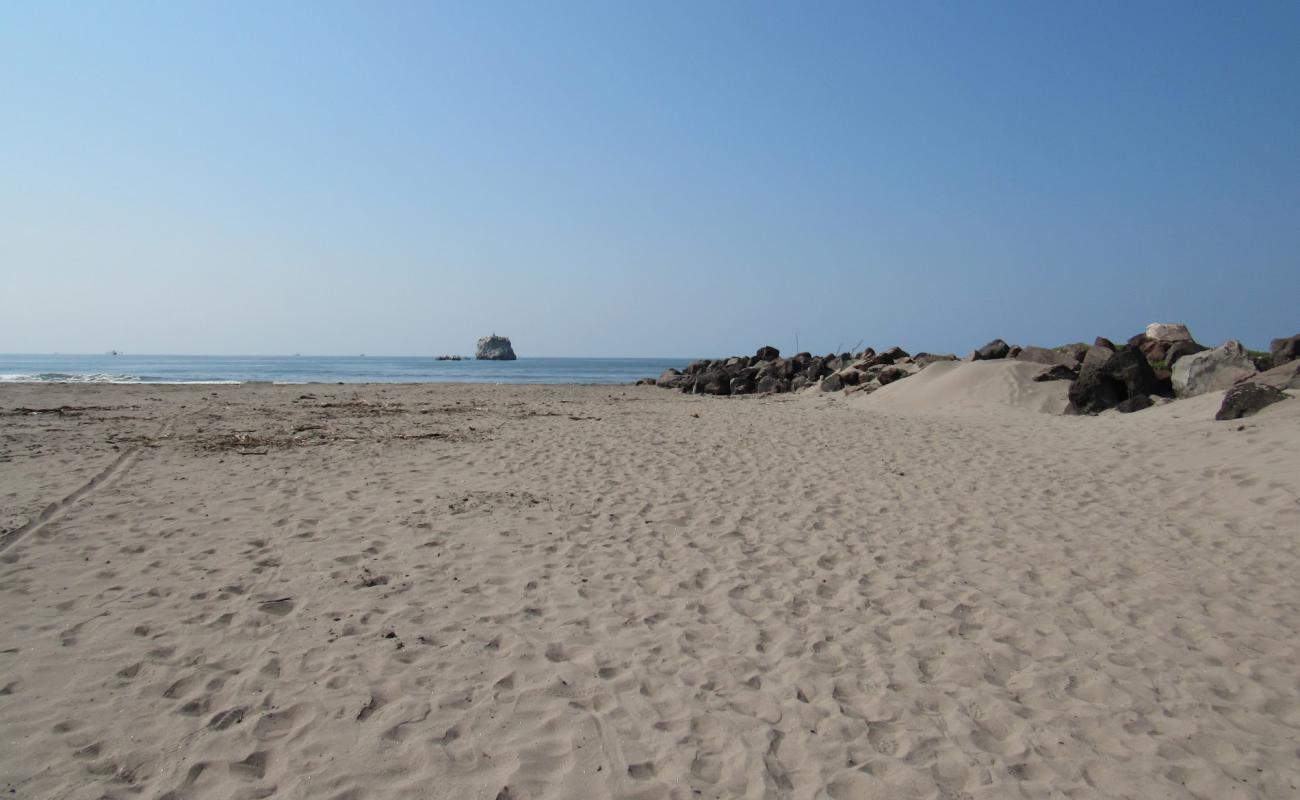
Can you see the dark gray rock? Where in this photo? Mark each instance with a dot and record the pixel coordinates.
(890, 356)
(816, 369)
(494, 348)
(799, 363)
(1129, 366)
(889, 374)
(1108, 378)
(992, 351)
(1285, 350)
(832, 383)
(1057, 372)
(1179, 349)
(1050, 357)
(672, 379)
(924, 360)
(1074, 351)
(713, 382)
(767, 353)
(1245, 399)
(1135, 403)
(743, 384)
(770, 384)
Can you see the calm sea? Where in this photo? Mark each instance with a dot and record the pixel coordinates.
(324, 369)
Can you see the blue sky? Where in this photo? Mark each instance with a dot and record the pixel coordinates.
(653, 179)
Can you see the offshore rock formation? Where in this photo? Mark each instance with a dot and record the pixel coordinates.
(494, 348)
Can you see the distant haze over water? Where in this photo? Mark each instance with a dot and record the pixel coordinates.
(324, 369)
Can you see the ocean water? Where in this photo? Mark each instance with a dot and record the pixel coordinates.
(324, 369)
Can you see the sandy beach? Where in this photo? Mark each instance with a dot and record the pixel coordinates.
(455, 591)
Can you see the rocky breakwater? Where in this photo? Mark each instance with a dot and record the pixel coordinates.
(1162, 363)
(1165, 362)
(494, 348)
(767, 372)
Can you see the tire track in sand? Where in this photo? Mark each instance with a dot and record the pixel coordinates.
(56, 510)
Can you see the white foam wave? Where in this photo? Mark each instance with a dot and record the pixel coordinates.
(70, 377)
(92, 377)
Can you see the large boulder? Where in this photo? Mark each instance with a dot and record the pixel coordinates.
(850, 376)
(890, 374)
(1053, 356)
(799, 363)
(1108, 377)
(1286, 376)
(993, 350)
(1179, 349)
(924, 360)
(870, 358)
(494, 348)
(713, 382)
(770, 384)
(1135, 403)
(672, 379)
(1212, 370)
(1075, 351)
(832, 383)
(1285, 350)
(1245, 399)
(1168, 332)
(767, 353)
(816, 369)
(1156, 340)
(1057, 372)
(1134, 372)
(743, 383)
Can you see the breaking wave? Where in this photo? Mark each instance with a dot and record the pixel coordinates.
(71, 377)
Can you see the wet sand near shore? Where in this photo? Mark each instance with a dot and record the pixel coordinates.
(472, 591)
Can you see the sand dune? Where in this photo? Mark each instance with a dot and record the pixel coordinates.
(532, 592)
(972, 386)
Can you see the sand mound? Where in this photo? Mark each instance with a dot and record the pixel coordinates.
(978, 385)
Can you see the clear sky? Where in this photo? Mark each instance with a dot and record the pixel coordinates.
(648, 179)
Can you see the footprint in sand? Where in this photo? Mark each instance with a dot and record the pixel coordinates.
(277, 724)
(224, 719)
(278, 607)
(252, 768)
(642, 772)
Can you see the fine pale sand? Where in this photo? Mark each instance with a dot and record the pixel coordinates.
(570, 592)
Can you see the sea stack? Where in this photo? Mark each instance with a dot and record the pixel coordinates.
(495, 348)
